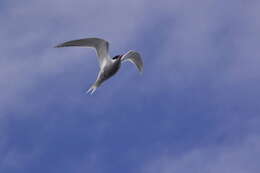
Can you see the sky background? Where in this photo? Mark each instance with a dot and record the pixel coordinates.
(195, 108)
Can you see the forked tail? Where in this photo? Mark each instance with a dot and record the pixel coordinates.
(92, 89)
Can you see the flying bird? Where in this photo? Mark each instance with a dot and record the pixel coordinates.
(107, 66)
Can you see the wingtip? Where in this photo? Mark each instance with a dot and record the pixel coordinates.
(58, 46)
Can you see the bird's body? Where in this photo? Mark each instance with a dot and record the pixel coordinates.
(108, 66)
(107, 71)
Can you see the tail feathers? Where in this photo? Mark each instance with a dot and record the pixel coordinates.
(92, 89)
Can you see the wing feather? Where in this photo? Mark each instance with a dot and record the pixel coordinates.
(101, 46)
(135, 58)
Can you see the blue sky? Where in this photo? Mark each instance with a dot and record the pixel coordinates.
(194, 109)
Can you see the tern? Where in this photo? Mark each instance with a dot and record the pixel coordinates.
(108, 66)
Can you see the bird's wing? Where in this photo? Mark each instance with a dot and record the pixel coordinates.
(135, 58)
(101, 46)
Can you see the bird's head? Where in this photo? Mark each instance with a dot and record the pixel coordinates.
(117, 57)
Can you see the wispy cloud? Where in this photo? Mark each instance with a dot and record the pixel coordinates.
(238, 158)
(200, 83)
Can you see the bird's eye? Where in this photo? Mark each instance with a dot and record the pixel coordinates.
(115, 57)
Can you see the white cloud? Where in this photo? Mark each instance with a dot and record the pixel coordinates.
(239, 158)
(189, 50)
(213, 39)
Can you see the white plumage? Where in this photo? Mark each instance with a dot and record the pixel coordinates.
(108, 66)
